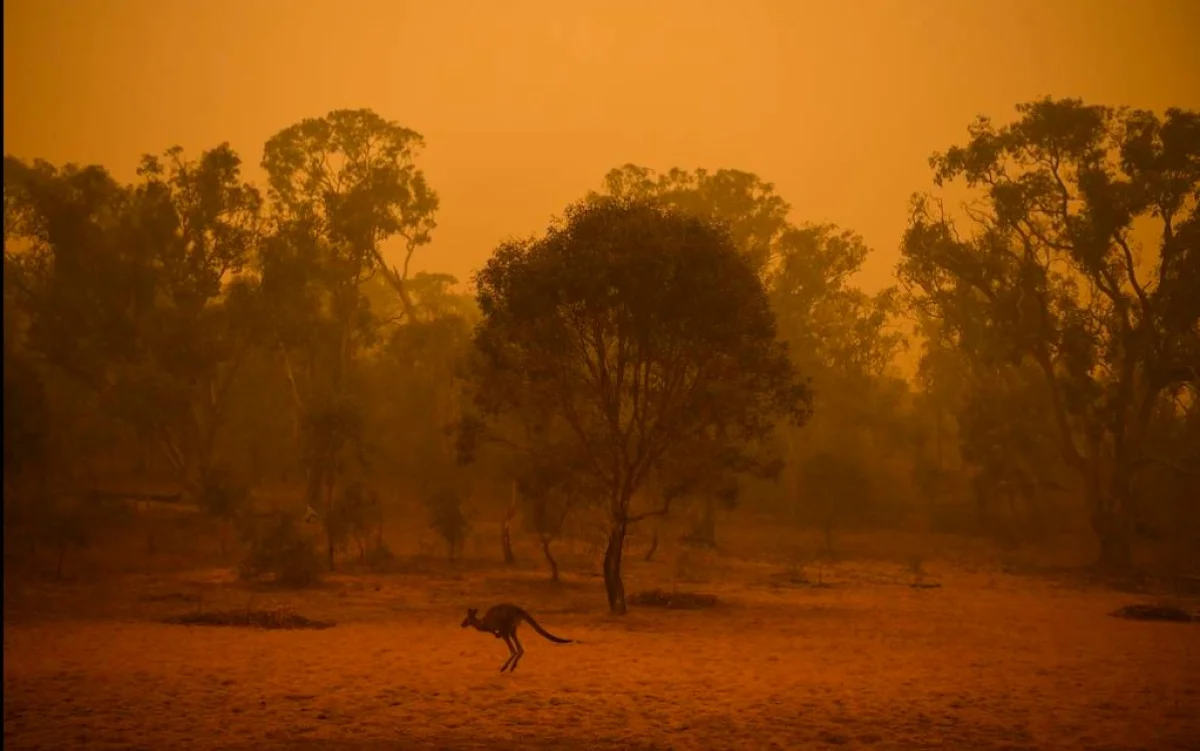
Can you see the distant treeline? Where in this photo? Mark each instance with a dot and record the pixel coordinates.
(678, 341)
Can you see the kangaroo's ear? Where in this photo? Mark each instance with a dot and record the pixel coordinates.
(472, 611)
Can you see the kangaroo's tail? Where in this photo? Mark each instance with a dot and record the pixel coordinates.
(543, 632)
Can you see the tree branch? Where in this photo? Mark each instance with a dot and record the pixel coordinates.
(287, 369)
(398, 279)
(1131, 269)
(1168, 464)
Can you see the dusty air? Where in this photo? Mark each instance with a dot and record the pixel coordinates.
(621, 376)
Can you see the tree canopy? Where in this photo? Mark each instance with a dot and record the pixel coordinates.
(641, 329)
(1081, 258)
(677, 341)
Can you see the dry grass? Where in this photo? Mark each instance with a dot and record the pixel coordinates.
(988, 661)
(245, 618)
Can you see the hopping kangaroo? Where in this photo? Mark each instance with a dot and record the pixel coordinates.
(501, 621)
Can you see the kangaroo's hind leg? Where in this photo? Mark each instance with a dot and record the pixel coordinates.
(512, 654)
(520, 653)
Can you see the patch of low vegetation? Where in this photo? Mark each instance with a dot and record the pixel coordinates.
(357, 518)
(1155, 612)
(795, 573)
(278, 550)
(916, 567)
(798, 578)
(224, 498)
(170, 597)
(268, 619)
(64, 524)
(689, 568)
(449, 520)
(379, 557)
(658, 598)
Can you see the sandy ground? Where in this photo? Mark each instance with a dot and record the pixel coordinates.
(988, 661)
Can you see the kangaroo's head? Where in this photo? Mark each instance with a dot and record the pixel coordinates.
(472, 618)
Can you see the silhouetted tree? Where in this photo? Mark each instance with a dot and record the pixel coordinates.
(224, 498)
(125, 289)
(640, 327)
(1051, 275)
(743, 203)
(551, 486)
(448, 518)
(416, 381)
(340, 186)
(837, 334)
(834, 486)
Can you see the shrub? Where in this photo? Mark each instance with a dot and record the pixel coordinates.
(278, 548)
(222, 498)
(379, 557)
(70, 522)
(357, 516)
(447, 518)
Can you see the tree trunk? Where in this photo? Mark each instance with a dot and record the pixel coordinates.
(653, 546)
(706, 531)
(62, 560)
(937, 434)
(329, 516)
(506, 544)
(506, 529)
(613, 586)
(315, 479)
(982, 500)
(550, 558)
(1110, 521)
(145, 451)
(1116, 553)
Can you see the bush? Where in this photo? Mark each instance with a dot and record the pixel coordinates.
(657, 598)
(837, 489)
(222, 498)
(69, 522)
(279, 549)
(220, 495)
(358, 516)
(268, 619)
(447, 518)
(379, 557)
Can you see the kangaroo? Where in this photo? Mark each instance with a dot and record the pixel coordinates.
(501, 621)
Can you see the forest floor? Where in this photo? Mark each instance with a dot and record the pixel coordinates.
(988, 660)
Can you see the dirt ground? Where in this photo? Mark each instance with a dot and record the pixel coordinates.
(987, 661)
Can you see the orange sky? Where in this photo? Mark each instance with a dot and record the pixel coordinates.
(525, 104)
